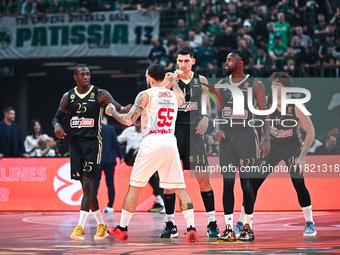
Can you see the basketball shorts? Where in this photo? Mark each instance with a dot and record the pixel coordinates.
(85, 156)
(239, 152)
(289, 153)
(190, 147)
(158, 153)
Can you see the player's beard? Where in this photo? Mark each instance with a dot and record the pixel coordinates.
(148, 85)
(228, 71)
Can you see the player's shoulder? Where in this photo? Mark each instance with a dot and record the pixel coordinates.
(202, 78)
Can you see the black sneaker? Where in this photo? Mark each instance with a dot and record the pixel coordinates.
(156, 208)
(247, 233)
(170, 231)
(212, 230)
(228, 235)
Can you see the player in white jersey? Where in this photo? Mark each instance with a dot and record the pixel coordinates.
(158, 151)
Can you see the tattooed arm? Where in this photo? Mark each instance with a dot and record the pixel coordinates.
(142, 100)
(105, 98)
(171, 83)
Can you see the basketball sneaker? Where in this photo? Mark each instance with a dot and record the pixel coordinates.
(108, 210)
(212, 230)
(156, 208)
(118, 232)
(228, 235)
(247, 233)
(78, 233)
(310, 229)
(191, 235)
(170, 231)
(238, 228)
(101, 232)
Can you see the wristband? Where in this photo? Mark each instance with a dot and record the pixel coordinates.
(206, 116)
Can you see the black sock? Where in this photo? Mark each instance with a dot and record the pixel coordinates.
(169, 203)
(208, 200)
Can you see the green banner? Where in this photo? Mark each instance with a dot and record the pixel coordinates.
(99, 34)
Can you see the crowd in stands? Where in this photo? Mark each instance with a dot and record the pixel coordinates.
(299, 37)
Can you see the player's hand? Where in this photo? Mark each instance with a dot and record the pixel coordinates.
(178, 74)
(26, 155)
(110, 109)
(300, 164)
(127, 108)
(59, 131)
(219, 135)
(170, 77)
(202, 126)
(1, 155)
(265, 147)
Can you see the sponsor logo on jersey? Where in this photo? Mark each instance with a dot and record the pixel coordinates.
(227, 113)
(161, 131)
(68, 191)
(77, 122)
(281, 133)
(189, 106)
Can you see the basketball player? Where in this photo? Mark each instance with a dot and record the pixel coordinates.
(158, 150)
(286, 143)
(85, 103)
(239, 143)
(190, 126)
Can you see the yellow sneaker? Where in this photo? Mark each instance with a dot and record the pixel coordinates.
(78, 233)
(101, 232)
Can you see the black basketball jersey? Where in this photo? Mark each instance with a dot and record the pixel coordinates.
(227, 103)
(190, 112)
(285, 129)
(85, 113)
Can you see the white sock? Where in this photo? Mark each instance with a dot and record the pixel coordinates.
(211, 216)
(229, 219)
(170, 218)
(98, 216)
(308, 213)
(189, 217)
(159, 200)
(249, 219)
(82, 218)
(125, 218)
(242, 215)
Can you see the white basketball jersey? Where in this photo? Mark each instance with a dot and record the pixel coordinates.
(159, 117)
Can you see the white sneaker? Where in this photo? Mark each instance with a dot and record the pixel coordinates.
(108, 210)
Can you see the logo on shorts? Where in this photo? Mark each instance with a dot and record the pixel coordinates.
(77, 122)
(69, 191)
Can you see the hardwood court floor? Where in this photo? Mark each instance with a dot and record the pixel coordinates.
(275, 233)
